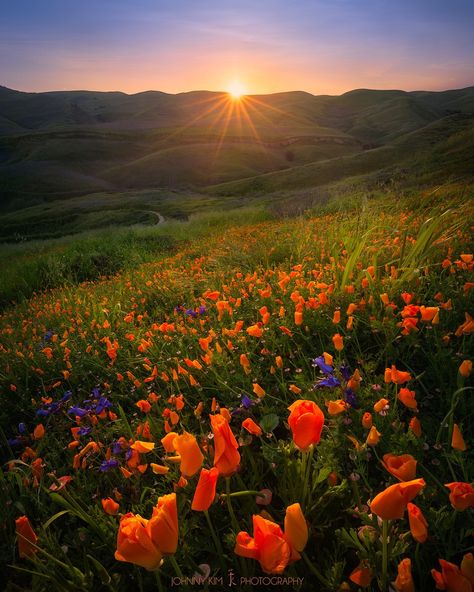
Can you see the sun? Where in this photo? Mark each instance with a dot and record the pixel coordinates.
(236, 90)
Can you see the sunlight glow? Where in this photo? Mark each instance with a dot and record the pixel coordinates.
(236, 89)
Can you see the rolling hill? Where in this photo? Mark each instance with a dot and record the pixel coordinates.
(152, 149)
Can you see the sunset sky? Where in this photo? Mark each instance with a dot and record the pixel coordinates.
(320, 46)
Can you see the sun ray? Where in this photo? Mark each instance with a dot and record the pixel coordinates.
(228, 117)
(256, 135)
(218, 103)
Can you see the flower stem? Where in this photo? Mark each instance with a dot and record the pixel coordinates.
(307, 474)
(175, 565)
(314, 571)
(217, 542)
(355, 491)
(385, 524)
(242, 493)
(233, 519)
(158, 580)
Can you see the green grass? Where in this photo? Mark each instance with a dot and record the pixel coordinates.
(39, 265)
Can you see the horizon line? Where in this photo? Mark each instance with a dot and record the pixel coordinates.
(224, 92)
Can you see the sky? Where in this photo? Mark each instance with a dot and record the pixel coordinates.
(319, 46)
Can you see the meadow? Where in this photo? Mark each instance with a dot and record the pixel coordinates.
(244, 399)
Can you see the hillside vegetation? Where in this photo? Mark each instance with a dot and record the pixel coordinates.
(279, 397)
(63, 153)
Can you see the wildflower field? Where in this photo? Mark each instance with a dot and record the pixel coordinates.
(284, 405)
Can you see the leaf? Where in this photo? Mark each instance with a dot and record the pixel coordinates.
(323, 475)
(53, 518)
(101, 571)
(269, 422)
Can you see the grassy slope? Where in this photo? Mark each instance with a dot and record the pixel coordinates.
(243, 264)
(444, 139)
(58, 145)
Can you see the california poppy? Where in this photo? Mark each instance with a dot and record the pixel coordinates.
(306, 422)
(461, 496)
(373, 437)
(337, 407)
(110, 506)
(296, 529)
(134, 544)
(404, 580)
(418, 523)
(457, 441)
(403, 467)
(191, 456)
(415, 426)
(465, 368)
(362, 575)
(390, 504)
(338, 341)
(451, 578)
(251, 427)
(367, 420)
(26, 537)
(163, 524)
(407, 397)
(270, 546)
(205, 489)
(226, 455)
(144, 542)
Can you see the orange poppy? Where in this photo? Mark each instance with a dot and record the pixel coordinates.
(26, 537)
(457, 441)
(418, 523)
(404, 580)
(205, 489)
(402, 467)
(461, 496)
(306, 422)
(390, 504)
(191, 456)
(251, 427)
(226, 455)
(110, 506)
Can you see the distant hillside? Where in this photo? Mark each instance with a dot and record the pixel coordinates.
(59, 145)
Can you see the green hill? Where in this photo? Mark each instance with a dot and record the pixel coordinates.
(57, 147)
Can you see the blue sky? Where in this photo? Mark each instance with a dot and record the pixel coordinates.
(321, 46)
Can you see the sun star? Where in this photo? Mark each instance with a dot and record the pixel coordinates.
(236, 90)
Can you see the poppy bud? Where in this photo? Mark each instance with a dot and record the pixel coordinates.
(361, 576)
(296, 529)
(457, 441)
(110, 506)
(226, 455)
(418, 523)
(465, 368)
(205, 489)
(374, 436)
(26, 537)
(338, 342)
(251, 427)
